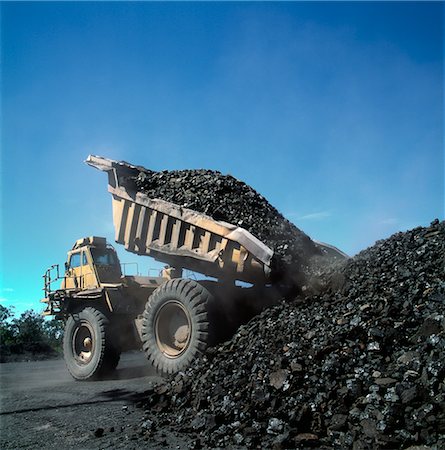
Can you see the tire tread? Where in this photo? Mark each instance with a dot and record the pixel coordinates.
(196, 299)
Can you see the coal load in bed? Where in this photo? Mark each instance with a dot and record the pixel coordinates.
(225, 198)
(360, 366)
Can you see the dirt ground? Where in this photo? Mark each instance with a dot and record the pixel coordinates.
(43, 407)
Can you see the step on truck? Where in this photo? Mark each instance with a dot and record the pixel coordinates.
(172, 318)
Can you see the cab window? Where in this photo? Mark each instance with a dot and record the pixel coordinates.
(104, 257)
(75, 260)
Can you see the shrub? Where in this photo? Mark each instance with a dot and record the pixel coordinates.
(29, 333)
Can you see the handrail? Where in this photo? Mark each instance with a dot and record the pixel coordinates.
(124, 265)
(48, 280)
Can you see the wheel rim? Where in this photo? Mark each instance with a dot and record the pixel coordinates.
(173, 329)
(83, 340)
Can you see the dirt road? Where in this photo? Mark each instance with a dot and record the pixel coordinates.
(43, 407)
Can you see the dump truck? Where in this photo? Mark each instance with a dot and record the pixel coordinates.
(172, 318)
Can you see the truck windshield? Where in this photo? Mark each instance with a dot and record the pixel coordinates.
(104, 257)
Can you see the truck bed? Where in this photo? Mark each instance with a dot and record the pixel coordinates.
(179, 236)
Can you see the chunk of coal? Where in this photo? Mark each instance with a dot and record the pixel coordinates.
(99, 432)
(340, 391)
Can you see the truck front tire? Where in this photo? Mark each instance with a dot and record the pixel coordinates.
(175, 325)
(87, 345)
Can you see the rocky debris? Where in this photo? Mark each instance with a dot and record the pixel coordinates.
(225, 198)
(359, 366)
(99, 432)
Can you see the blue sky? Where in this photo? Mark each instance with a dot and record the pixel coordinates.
(333, 111)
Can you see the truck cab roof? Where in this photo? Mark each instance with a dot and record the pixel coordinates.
(95, 241)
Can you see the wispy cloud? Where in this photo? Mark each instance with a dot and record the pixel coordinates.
(313, 216)
(389, 221)
(6, 290)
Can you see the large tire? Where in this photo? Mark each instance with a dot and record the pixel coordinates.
(175, 326)
(88, 346)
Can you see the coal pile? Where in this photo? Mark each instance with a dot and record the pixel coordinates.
(225, 198)
(360, 366)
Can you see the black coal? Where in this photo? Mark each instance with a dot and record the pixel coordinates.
(225, 198)
(359, 366)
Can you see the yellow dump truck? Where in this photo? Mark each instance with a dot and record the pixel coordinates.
(172, 318)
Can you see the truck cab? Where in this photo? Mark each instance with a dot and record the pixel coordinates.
(90, 264)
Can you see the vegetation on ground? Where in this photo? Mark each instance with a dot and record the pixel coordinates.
(29, 336)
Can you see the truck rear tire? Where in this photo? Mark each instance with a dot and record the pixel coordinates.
(87, 345)
(175, 325)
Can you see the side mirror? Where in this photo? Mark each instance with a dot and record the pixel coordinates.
(66, 266)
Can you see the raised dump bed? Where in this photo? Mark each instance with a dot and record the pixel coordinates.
(181, 237)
